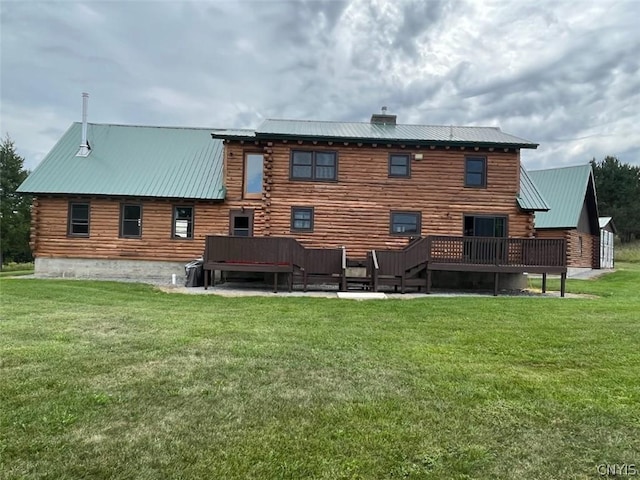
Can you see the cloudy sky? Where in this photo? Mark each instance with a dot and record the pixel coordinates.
(565, 74)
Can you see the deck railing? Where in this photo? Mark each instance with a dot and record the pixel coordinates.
(274, 254)
(275, 250)
(515, 252)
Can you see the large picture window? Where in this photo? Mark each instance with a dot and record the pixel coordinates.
(183, 222)
(78, 225)
(253, 171)
(131, 221)
(405, 223)
(314, 165)
(301, 219)
(475, 172)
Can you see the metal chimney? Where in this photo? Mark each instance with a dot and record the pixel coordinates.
(85, 149)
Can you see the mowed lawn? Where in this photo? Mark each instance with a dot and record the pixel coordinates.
(114, 381)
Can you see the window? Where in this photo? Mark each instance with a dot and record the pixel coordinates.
(399, 165)
(131, 221)
(319, 166)
(302, 219)
(253, 169)
(241, 223)
(78, 224)
(183, 222)
(405, 223)
(475, 172)
(485, 226)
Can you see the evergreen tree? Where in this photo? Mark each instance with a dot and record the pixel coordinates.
(618, 191)
(15, 209)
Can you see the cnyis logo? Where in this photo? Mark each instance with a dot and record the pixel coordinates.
(617, 469)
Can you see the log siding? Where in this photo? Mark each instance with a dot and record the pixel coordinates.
(582, 248)
(355, 211)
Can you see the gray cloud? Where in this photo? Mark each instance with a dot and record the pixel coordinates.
(564, 74)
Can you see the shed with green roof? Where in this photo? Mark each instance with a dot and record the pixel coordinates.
(573, 212)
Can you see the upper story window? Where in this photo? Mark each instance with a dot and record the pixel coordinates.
(131, 221)
(314, 165)
(78, 224)
(399, 165)
(182, 222)
(253, 169)
(475, 172)
(405, 223)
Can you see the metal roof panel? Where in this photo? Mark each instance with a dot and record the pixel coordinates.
(530, 198)
(131, 160)
(565, 191)
(390, 132)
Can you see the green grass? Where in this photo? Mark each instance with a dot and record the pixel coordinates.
(16, 269)
(107, 380)
(627, 252)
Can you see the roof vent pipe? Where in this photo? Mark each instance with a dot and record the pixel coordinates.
(85, 149)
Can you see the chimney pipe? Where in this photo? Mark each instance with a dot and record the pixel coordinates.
(85, 106)
(84, 145)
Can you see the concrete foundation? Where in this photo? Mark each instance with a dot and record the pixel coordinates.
(141, 270)
(578, 271)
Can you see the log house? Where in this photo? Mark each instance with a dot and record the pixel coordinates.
(143, 199)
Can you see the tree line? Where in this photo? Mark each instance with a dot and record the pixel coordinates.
(15, 209)
(618, 192)
(617, 188)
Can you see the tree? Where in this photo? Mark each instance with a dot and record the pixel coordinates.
(618, 191)
(15, 209)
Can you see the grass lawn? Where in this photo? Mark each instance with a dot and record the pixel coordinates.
(122, 381)
(16, 269)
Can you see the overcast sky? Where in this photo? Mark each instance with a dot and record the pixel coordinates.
(563, 74)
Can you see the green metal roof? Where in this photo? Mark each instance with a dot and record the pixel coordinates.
(565, 190)
(364, 131)
(530, 198)
(130, 160)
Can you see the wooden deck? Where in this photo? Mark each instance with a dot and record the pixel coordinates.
(498, 255)
(410, 266)
(277, 255)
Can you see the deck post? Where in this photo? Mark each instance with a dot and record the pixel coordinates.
(275, 282)
(428, 281)
(563, 281)
(206, 279)
(544, 282)
(496, 276)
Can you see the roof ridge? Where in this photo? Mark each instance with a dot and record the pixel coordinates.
(369, 123)
(100, 124)
(560, 168)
